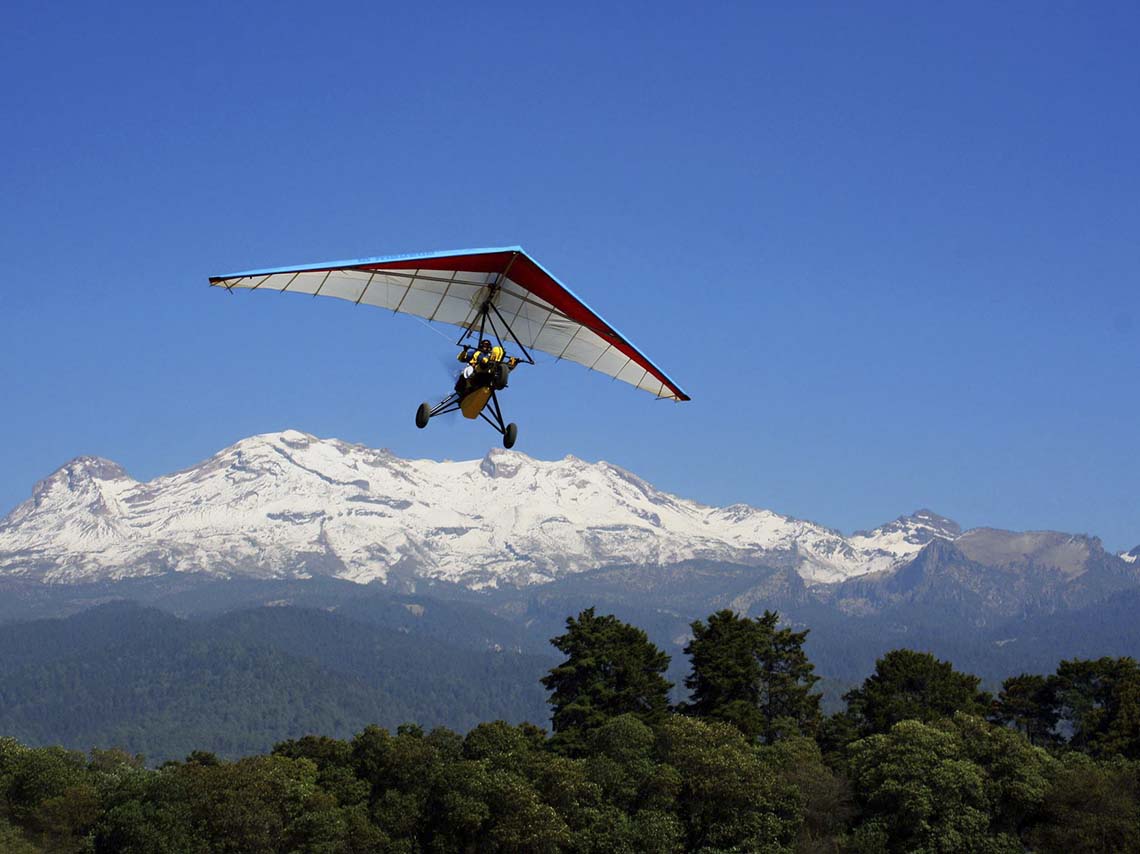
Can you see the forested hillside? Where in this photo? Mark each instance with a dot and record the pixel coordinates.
(920, 759)
(155, 684)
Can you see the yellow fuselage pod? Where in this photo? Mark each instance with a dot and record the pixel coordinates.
(473, 404)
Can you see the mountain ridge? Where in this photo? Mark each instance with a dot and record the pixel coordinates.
(291, 505)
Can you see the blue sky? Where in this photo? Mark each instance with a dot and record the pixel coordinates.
(892, 252)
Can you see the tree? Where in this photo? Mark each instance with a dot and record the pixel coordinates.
(13, 842)
(257, 805)
(918, 792)
(49, 792)
(333, 758)
(1016, 773)
(908, 685)
(1089, 807)
(157, 818)
(1100, 700)
(519, 821)
(729, 798)
(402, 773)
(835, 733)
(621, 762)
(1028, 703)
(825, 795)
(611, 669)
(753, 675)
(262, 804)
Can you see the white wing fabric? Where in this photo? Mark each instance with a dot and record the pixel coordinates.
(451, 287)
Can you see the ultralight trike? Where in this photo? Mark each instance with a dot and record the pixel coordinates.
(476, 395)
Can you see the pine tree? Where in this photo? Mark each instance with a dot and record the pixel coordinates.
(1028, 703)
(787, 679)
(1100, 701)
(909, 685)
(752, 674)
(611, 669)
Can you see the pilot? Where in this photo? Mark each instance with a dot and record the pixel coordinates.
(477, 360)
(481, 365)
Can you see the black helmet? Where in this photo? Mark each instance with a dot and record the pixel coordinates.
(485, 344)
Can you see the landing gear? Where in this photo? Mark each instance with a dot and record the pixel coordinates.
(479, 402)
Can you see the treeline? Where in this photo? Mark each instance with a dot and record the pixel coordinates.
(920, 760)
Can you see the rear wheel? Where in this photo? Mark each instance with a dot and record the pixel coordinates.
(510, 434)
(423, 415)
(499, 376)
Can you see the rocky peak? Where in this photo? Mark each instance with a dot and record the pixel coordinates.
(82, 469)
(293, 438)
(935, 522)
(919, 527)
(81, 475)
(500, 463)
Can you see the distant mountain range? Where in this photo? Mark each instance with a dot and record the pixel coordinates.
(290, 505)
(352, 574)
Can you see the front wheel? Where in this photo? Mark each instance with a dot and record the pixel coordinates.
(510, 434)
(423, 415)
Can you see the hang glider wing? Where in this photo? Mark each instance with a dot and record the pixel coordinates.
(451, 287)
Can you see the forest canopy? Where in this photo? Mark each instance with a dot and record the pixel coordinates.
(919, 760)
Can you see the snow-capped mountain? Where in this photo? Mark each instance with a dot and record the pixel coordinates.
(290, 504)
(907, 534)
